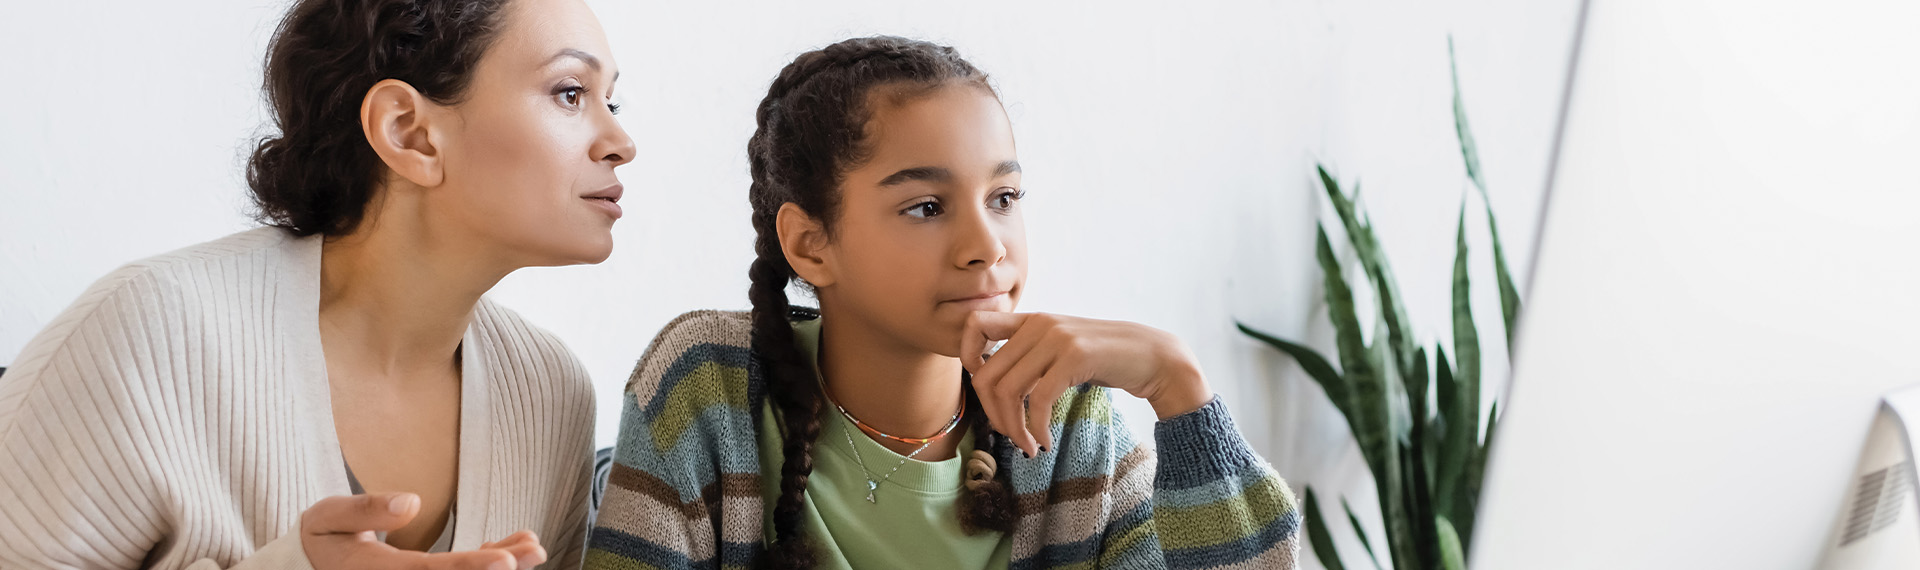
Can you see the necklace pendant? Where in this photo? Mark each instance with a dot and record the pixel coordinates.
(871, 487)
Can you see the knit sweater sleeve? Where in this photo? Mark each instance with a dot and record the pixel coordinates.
(683, 490)
(1215, 503)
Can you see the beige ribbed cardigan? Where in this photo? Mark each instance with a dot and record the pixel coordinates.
(177, 415)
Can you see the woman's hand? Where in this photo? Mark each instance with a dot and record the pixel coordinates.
(1045, 355)
(338, 534)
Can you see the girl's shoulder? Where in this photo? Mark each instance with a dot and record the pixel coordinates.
(702, 355)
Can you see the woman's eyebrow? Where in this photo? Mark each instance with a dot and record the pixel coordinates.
(1005, 168)
(584, 57)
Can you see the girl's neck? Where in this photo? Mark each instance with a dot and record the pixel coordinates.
(890, 386)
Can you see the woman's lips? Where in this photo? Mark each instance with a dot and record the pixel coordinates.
(606, 205)
(608, 199)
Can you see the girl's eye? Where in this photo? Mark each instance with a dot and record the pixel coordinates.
(1006, 200)
(924, 210)
(613, 108)
(570, 96)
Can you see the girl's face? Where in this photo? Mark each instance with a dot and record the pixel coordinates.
(531, 153)
(930, 226)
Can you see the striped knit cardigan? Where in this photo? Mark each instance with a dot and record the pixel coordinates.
(684, 491)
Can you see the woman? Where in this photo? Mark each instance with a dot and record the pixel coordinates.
(334, 391)
(885, 181)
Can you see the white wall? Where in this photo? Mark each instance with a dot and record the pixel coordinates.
(1730, 278)
(1168, 150)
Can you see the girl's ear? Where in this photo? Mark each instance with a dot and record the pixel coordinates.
(804, 241)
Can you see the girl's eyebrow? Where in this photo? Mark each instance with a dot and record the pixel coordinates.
(1005, 168)
(923, 173)
(938, 174)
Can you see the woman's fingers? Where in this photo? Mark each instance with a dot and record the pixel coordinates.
(339, 535)
(525, 548)
(350, 514)
(483, 559)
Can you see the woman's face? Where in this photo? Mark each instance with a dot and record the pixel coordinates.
(930, 228)
(530, 157)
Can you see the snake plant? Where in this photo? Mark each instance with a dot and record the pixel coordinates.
(1426, 450)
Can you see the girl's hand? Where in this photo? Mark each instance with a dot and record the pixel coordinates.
(1047, 354)
(338, 534)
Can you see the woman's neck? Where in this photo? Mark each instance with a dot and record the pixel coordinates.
(890, 386)
(395, 299)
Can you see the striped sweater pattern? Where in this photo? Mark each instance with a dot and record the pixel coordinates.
(684, 490)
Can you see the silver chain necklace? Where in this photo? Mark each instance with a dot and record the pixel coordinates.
(872, 485)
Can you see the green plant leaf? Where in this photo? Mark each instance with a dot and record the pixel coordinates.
(1468, 150)
(1336, 386)
(1373, 259)
(1509, 295)
(1419, 508)
(1371, 421)
(1463, 429)
(1317, 535)
(1310, 360)
(1476, 473)
(1367, 398)
(1364, 543)
(1399, 415)
(1453, 554)
(1446, 391)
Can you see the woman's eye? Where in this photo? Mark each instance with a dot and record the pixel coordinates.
(924, 210)
(571, 96)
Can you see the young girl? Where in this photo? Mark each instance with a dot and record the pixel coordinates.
(877, 432)
(226, 405)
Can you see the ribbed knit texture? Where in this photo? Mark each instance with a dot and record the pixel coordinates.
(178, 415)
(685, 487)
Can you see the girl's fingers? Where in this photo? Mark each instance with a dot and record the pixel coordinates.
(1058, 378)
(1021, 342)
(1010, 391)
(983, 328)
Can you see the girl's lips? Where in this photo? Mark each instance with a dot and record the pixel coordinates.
(987, 301)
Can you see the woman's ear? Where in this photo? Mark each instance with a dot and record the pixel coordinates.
(399, 122)
(804, 241)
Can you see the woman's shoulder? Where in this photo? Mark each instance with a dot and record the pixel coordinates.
(130, 320)
(217, 279)
(514, 344)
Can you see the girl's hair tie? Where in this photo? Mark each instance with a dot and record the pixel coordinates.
(980, 469)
